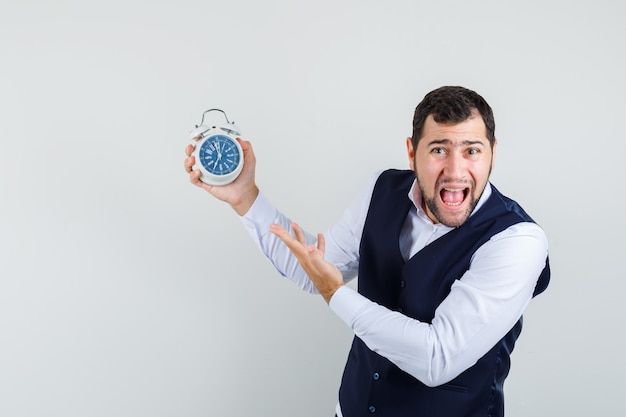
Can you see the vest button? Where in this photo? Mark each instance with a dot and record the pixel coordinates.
(376, 376)
(372, 409)
(402, 284)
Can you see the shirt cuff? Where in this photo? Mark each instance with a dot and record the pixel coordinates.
(259, 217)
(347, 304)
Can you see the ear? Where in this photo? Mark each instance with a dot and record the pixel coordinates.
(410, 152)
(493, 153)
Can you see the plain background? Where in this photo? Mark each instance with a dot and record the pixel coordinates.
(126, 291)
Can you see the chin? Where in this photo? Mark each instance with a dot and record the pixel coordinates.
(452, 218)
(454, 222)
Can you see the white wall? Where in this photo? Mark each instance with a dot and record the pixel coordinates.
(126, 291)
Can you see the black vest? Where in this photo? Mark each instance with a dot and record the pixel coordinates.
(371, 384)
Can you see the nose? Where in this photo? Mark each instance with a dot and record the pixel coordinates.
(455, 166)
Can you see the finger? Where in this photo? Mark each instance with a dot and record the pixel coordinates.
(194, 177)
(245, 145)
(276, 228)
(321, 243)
(281, 233)
(189, 149)
(299, 234)
(189, 162)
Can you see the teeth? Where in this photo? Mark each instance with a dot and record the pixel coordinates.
(454, 190)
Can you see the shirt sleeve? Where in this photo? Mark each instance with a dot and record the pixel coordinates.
(342, 238)
(483, 305)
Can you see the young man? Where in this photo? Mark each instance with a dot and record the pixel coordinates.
(446, 267)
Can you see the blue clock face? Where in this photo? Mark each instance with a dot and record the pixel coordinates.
(219, 155)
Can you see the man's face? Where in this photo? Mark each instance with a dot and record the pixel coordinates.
(452, 164)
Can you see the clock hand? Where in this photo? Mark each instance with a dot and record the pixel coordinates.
(218, 148)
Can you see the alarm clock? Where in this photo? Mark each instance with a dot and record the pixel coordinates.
(217, 153)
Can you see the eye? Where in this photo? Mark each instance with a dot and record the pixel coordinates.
(438, 151)
(473, 151)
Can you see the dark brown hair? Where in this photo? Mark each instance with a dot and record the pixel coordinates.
(450, 104)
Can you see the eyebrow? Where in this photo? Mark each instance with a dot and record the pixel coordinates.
(448, 141)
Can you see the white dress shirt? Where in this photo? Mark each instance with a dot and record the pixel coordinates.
(483, 305)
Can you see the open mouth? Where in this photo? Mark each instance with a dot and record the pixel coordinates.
(453, 197)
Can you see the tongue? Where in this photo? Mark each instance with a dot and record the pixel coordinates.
(452, 196)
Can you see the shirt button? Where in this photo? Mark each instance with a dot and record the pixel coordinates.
(372, 409)
(376, 376)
